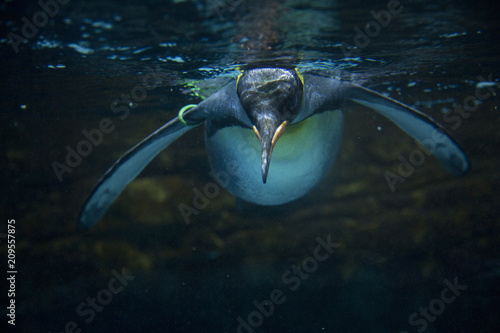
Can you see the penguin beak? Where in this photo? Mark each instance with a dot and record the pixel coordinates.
(268, 134)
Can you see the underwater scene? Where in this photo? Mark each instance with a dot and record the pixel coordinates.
(250, 166)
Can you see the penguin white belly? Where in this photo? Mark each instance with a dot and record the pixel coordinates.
(301, 158)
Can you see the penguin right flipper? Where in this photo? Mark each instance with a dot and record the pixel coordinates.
(324, 91)
(418, 125)
(129, 165)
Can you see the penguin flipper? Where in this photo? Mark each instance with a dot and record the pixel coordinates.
(418, 125)
(130, 164)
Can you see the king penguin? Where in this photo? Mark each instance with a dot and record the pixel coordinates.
(275, 133)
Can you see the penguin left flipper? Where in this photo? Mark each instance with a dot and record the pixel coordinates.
(418, 125)
(129, 165)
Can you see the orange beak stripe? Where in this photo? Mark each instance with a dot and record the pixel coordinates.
(278, 133)
(256, 132)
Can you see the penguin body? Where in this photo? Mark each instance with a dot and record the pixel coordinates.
(275, 133)
(298, 164)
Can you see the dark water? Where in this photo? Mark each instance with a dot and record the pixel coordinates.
(397, 254)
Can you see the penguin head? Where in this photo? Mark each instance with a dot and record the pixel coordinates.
(271, 97)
